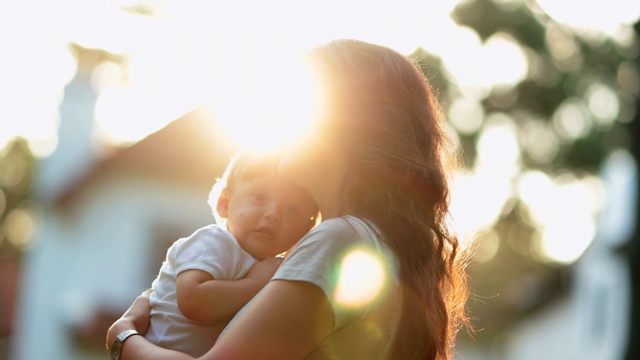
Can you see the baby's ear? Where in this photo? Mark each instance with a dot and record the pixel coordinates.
(222, 206)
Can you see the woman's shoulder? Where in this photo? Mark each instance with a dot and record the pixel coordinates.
(342, 232)
(337, 224)
(334, 228)
(347, 223)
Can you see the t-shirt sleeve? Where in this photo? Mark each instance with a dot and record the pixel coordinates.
(319, 257)
(214, 251)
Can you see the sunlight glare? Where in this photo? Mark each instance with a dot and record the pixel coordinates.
(361, 278)
(477, 199)
(603, 103)
(462, 40)
(540, 141)
(500, 61)
(498, 145)
(178, 49)
(603, 16)
(466, 115)
(478, 196)
(568, 234)
(505, 62)
(264, 109)
(572, 119)
(90, 23)
(564, 210)
(126, 115)
(34, 71)
(536, 190)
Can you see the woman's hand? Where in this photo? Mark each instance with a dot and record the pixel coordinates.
(137, 318)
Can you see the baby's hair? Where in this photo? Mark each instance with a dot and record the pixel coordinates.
(243, 166)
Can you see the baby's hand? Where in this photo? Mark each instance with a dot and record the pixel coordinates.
(263, 270)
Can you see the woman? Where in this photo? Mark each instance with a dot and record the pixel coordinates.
(377, 166)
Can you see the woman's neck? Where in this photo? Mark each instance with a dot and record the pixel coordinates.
(331, 211)
(331, 199)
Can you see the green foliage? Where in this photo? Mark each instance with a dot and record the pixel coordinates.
(517, 281)
(16, 175)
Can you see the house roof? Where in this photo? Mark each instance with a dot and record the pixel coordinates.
(191, 149)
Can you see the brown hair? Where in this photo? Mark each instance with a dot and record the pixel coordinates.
(381, 111)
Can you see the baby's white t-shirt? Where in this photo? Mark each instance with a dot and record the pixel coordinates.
(211, 249)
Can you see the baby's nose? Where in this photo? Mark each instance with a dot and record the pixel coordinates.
(273, 211)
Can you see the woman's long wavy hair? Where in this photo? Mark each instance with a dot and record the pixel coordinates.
(380, 110)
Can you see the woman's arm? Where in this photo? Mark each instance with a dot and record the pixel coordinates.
(286, 320)
(136, 317)
(204, 300)
(137, 347)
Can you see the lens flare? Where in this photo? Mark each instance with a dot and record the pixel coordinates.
(361, 278)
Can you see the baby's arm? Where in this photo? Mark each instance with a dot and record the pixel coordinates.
(204, 300)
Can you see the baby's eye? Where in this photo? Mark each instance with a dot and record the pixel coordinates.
(259, 197)
(292, 209)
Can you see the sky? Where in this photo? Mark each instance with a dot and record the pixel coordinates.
(194, 51)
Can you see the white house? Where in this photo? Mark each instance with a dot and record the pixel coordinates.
(107, 220)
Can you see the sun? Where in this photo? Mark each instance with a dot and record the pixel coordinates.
(264, 105)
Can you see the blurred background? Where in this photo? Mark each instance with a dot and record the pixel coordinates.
(117, 116)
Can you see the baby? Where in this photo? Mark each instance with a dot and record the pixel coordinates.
(209, 276)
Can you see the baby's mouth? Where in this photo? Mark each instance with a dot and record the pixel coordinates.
(266, 231)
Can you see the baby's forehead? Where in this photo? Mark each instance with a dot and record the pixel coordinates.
(278, 186)
(273, 183)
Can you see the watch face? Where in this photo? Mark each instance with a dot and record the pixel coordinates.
(115, 350)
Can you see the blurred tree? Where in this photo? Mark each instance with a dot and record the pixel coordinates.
(632, 251)
(516, 281)
(16, 174)
(16, 226)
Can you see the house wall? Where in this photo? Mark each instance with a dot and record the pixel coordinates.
(94, 254)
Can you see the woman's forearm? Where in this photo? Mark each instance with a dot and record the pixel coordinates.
(136, 317)
(136, 346)
(286, 321)
(139, 348)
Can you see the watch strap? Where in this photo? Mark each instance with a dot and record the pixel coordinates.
(116, 347)
(125, 334)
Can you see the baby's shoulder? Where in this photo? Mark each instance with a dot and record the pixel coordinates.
(211, 231)
(210, 234)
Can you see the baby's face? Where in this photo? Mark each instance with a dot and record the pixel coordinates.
(269, 216)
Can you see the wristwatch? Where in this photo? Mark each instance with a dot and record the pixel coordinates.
(116, 347)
